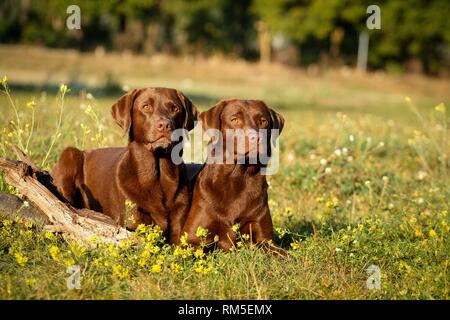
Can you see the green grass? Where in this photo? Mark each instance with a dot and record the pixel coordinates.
(381, 199)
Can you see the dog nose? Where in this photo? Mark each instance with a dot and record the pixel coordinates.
(253, 137)
(163, 125)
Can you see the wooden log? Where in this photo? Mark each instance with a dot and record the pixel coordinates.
(78, 224)
(12, 206)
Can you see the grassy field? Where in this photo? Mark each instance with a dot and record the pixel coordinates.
(363, 181)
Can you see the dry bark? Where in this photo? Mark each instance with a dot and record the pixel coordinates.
(36, 186)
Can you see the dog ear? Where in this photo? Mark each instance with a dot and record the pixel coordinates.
(277, 120)
(122, 110)
(191, 112)
(211, 119)
(277, 123)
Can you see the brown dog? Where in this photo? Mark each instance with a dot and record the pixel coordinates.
(142, 172)
(227, 194)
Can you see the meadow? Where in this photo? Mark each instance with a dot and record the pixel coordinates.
(363, 182)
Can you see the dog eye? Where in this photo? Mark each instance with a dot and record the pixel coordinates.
(234, 120)
(147, 108)
(175, 109)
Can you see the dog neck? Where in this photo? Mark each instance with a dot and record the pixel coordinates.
(237, 171)
(147, 166)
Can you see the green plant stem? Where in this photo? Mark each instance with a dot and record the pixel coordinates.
(31, 130)
(58, 126)
(18, 126)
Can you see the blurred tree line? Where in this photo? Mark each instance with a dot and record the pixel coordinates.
(414, 34)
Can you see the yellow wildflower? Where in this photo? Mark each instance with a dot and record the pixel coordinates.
(54, 252)
(96, 262)
(63, 89)
(156, 268)
(200, 267)
(93, 239)
(113, 251)
(7, 223)
(186, 253)
(78, 250)
(295, 245)
(19, 220)
(413, 220)
(183, 239)
(145, 254)
(177, 252)
(201, 232)
(120, 272)
(31, 104)
(4, 80)
(30, 281)
(199, 254)
(129, 205)
(432, 233)
(335, 202)
(125, 244)
(281, 232)
(21, 259)
(140, 229)
(175, 267)
(49, 235)
(440, 107)
(69, 262)
(151, 249)
(142, 262)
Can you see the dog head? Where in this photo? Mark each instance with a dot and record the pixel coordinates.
(150, 115)
(251, 121)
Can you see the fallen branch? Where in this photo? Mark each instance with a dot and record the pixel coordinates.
(79, 224)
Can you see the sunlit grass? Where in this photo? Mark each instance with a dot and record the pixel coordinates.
(356, 188)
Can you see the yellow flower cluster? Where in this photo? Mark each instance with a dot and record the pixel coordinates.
(121, 272)
(333, 203)
(201, 233)
(21, 259)
(54, 252)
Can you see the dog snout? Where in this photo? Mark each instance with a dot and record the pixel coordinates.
(253, 138)
(164, 125)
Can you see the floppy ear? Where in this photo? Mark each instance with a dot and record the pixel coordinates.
(277, 120)
(211, 119)
(191, 112)
(121, 110)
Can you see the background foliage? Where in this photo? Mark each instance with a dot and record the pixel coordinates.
(414, 34)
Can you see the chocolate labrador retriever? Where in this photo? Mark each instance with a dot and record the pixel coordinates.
(230, 193)
(142, 173)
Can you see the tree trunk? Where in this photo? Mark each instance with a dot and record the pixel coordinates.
(264, 40)
(37, 187)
